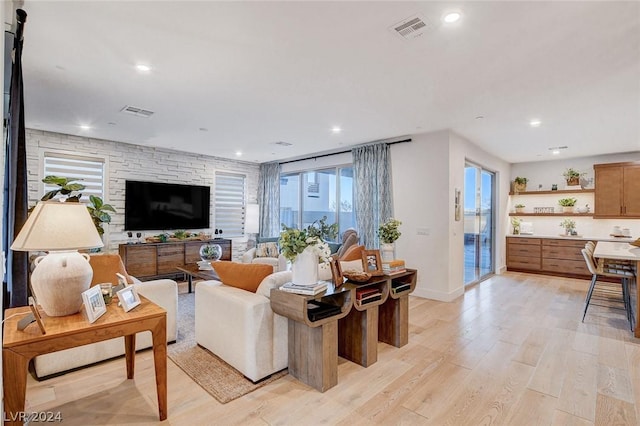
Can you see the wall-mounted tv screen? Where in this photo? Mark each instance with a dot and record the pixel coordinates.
(159, 206)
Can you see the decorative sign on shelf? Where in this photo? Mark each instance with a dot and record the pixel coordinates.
(544, 209)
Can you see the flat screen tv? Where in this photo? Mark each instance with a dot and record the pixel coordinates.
(159, 206)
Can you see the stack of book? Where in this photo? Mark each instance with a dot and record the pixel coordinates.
(367, 295)
(393, 267)
(308, 290)
(399, 287)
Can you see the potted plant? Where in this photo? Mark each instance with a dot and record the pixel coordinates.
(520, 208)
(569, 226)
(319, 228)
(515, 223)
(572, 176)
(520, 184)
(305, 251)
(567, 204)
(388, 233)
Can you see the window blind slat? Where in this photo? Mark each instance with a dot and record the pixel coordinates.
(230, 203)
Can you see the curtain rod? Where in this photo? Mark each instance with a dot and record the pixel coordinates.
(314, 157)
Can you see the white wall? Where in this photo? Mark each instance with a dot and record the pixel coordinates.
(546, 173)
(134, 162)
(425, 173)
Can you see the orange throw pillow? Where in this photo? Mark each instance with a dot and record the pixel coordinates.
(246, 276)
(105, 267)
(352, 253)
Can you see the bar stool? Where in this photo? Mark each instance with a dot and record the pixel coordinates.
(609, 290)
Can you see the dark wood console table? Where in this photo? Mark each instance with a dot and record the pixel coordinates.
(148, 261)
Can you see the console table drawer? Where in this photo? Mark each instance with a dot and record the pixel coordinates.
(169, 257)
(562, 253)
(564, 243)
(565, 266)
(523, 250)
(522, 240)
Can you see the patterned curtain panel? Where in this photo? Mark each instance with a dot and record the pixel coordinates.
(372, 190)
(269, 199)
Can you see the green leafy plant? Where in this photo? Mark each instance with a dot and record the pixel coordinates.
(181, 234)
(322, 230)
(568, 224)
(567, 202)
(515, 223)
(572, 174)
(388, 231)
(98, 210)
(293, 241)
(520, 206)
(521, 180)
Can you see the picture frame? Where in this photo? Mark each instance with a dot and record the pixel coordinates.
(36, 314)
(371, 262)
(128, 298)
(93, 303)
(336, 273)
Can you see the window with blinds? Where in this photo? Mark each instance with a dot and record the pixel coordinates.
(88, 171)
(230, 203)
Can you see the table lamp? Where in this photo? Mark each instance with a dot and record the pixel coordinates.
(60, 277)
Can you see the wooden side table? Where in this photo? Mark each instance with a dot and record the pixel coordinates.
(19, 347)
(313, 345)
(358, 331)
(393, 324)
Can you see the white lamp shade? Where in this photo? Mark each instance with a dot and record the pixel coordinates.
(252, 219)
(53, 225)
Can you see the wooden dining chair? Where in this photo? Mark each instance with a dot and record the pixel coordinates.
(610, 291)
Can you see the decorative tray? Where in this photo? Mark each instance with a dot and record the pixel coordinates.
(635, 243)
(359, 277)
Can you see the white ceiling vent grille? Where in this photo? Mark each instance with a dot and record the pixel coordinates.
(282, 143)
(140, 112)
(412, 27)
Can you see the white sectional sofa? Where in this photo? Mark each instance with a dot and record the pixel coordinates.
(162, 292)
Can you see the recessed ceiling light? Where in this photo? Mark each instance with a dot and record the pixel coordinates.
(143, 68)
(535, 123)
(238, 153)
(85, 127)
(336, 129)
(555, 152)
(479, 117)
(451, 17)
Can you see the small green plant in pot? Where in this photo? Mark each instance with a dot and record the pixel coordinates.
(520, 184)
(567, 204)
(569, 226)
(515, 223)
(520, 208)
(572, 176)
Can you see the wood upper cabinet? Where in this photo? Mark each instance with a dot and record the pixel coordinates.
(617, 190)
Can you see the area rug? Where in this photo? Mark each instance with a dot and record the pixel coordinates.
(214, 375)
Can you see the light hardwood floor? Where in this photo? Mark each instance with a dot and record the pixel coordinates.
(511, 351)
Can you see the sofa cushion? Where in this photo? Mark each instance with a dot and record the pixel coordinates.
(350, 240)
(246, 276)
(105, 267)
(267, 250)
(353, 253)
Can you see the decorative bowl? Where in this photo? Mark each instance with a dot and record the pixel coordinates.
(359, 277)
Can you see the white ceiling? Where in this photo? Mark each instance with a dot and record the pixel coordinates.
(254, 73)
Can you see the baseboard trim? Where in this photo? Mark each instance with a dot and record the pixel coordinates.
(439, 295)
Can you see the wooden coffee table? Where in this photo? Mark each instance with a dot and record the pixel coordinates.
(19, 347)
(193, 271)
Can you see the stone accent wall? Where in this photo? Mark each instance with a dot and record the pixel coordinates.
(125, 161)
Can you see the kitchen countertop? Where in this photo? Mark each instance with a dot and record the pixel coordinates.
(582, 237)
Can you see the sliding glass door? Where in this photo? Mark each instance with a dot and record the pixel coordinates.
(479, 223)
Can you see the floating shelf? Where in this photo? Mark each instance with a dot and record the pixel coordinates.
(552, 214)
(560, 191)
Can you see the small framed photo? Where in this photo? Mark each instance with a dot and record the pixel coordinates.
(129, 298)
(36, 314)
(336, 273)
(371, 262)
(93, 303)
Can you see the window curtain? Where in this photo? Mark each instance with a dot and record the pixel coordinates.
(269, 199)
(372, 190)
(15, 180)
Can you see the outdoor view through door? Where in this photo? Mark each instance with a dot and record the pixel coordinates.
(478, 223)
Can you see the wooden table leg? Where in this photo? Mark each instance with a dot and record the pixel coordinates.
(130, 354)
(636, 330)
(393, 324)
(159, 334)
(14, 384)
(190, 281)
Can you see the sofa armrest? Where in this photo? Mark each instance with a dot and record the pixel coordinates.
(163, 293)
(282, 263)
(248, 256)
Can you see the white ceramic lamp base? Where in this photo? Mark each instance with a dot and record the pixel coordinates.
(59, 280)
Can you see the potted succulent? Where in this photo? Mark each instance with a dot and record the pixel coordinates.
(567, 204)
(520, 184)
(388, 233)
(569, 226)
(520, 208)
(305, 251)
(572, 176)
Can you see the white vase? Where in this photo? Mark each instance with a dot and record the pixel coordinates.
(304, 269)
(387, 252)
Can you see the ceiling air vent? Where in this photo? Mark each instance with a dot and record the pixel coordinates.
(412, 27)
(282, 143)
(140, 112)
